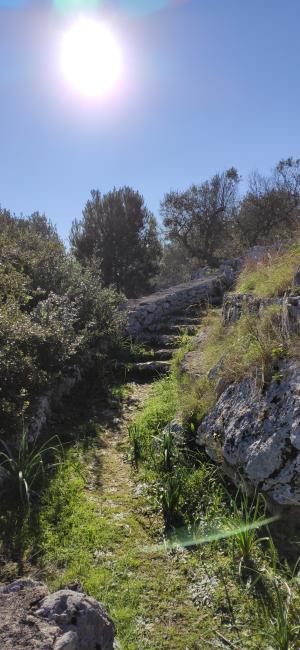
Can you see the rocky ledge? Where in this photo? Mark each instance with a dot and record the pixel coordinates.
(32, 618)
(255, 435)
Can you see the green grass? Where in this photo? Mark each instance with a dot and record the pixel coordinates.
(102, 523)
(118, 511)
(159, 409)
(251, 346)
(272, 276)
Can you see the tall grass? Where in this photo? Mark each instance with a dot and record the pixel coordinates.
(272, 276)
(281, 622)
(25, 464)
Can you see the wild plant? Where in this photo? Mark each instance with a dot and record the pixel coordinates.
(282, 631)
(248, 514)
(167, 443)
(135, 444)
(25, 464)
(170, 497)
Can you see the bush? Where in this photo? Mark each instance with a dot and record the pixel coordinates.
(54, 315)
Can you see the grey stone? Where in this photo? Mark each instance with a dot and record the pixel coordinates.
(255, 435)
(32, 618)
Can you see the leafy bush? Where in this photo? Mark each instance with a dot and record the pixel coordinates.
(54, 315)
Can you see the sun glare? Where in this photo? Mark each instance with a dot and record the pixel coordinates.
(90, 58)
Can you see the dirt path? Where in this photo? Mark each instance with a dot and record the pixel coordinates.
(154, 608)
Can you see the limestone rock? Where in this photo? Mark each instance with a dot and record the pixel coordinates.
(255, 435)
(32, 618)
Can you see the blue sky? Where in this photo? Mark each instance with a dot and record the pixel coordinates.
(207, 84)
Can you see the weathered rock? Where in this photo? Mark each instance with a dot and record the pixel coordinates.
(234, 305)
(32, 618)
(177, 430)
(255, 435)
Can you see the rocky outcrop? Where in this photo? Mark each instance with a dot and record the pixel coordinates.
(255, 436)
(234, 305)
(32, 618)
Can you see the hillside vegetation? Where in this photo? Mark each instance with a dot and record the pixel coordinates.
(115, 497)
(144, 522)
(54, 313)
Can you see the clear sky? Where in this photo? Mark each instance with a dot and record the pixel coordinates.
(206, 84)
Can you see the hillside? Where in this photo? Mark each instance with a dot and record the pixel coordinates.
(148, 511)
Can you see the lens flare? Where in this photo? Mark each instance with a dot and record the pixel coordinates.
(91, 59)
(67, 6)
(142, 7)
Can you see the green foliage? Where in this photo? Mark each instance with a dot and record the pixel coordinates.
(135, 445)
(159, 409)
(282, 620)
(170, 497)
(53, 313)
(272, 276)
(24, 465)
(119, 235)
(167, 445)
(250, 513)
(197, 218)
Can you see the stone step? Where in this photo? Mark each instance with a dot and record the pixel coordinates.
(181, 329)
(163, 355)
(150, 367)
(185, 320)
(161, 340)
(172, 328)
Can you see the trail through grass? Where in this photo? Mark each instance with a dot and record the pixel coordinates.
(101, 525)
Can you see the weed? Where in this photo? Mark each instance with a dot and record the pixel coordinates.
(25, 464)
(247, 513)
(135, 445)
(167, 444)
(282, 630)
(170, 498)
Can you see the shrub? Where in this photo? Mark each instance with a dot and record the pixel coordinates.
(54, 315)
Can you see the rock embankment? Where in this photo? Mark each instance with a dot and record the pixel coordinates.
(255, 436)
(32, 618)
(234, 305)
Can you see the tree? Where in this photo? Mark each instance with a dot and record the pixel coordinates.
(268, 212)
(119, 235)
(198, 218)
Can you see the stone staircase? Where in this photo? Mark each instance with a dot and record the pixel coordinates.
(158, 322)
(160, 342)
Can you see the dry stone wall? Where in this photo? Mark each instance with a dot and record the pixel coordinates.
(145, 313)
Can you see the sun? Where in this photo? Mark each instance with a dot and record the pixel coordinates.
(91, 58)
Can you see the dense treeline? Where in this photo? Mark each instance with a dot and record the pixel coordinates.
(212, 221)
(58, 308)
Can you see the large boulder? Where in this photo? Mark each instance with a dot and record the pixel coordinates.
(32, 618)
(255, 435)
